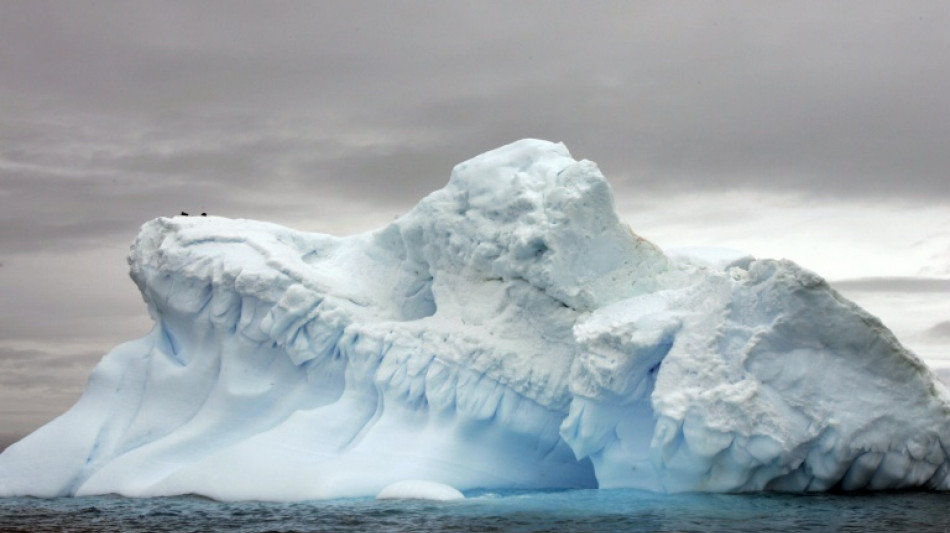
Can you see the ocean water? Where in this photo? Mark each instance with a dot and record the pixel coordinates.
(575, 511)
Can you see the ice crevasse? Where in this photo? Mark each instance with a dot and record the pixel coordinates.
(508, 332)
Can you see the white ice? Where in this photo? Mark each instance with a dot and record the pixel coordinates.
(419, 490)
(508, 332)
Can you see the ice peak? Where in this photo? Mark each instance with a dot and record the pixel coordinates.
(529, 211)
(528, 163)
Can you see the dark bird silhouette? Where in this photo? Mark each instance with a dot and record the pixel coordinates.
(204, 214)
(184, 214)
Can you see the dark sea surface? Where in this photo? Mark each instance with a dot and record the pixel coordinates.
(577, 510)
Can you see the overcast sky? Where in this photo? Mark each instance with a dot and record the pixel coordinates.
(817, 131)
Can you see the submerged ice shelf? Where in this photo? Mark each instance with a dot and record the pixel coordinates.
(508, 332)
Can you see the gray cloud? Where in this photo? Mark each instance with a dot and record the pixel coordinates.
(29, 369)
(37, 385)
(939, 331)
(894, 284)
(835, 100)
(69, 298)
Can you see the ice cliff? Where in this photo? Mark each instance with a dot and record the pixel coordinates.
(509, 331)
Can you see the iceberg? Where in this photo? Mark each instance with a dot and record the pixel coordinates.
(510, 331)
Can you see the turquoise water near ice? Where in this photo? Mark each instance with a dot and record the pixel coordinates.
(575, 510)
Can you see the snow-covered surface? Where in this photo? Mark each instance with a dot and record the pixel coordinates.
(419, 490)
(508, 332)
